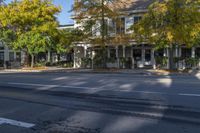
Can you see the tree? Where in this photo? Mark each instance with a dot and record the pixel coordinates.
(93, 16)
(65, 38)
(29, 25)
(170, 23)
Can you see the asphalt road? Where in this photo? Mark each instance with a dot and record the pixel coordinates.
(98, 103)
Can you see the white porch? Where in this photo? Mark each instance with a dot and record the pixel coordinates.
(137, 56)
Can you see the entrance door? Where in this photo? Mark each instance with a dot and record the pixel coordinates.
(137, 55)
(1, 59)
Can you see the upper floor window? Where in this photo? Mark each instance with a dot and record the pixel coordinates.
(120, 26)
(130, 20)
(111, 27)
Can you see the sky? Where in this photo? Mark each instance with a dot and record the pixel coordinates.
(64, 16)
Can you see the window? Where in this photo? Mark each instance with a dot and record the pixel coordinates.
(186, 52)
(11, 56)
(18, 56)
(121, 26)
(137, 18)
(197, 52)
(1, 56)
(159, 53)
(112, 53)
(137, 54)
(129, 23)
(111, 27)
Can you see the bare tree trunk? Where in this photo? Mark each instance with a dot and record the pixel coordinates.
(32, 60)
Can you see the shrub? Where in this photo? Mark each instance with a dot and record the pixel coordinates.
(161, 61)
(86, 62)
(111, 60)
(192, 62)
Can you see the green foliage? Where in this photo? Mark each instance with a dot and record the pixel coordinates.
(170, 22)
(29, 25)
(66, 38)
(68, 65)
(177, 59)
(111, 60)
(40, 64)
(60, 64)
(161, 61)
(122, 60)
(100, 58)
(7, 35)
(34, 42)
(86, 62)
(191, 61)
(92, 15)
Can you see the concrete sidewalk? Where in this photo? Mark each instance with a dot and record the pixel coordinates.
(103, 71)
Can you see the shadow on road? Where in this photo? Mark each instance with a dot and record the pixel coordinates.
(117, 97)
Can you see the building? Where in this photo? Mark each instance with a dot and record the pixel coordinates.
(9, 58)
(136, 55)
(15, 59)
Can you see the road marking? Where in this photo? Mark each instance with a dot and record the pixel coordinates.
(16, 123)
(90, 88)
(191, 95)
(45, 85)
(163, 93)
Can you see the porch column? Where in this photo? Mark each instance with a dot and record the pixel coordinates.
(176, 51)
(85, 51)
(23, 56)
(143, 56)
(117, 56)
(193, 52)
(15, 56)
(180, 52)
(153, 59)
(6, 55)
(124, 54)
(93, 54)
(124, 51)
(167, 55)
(132, 58)
(108, 51)
(75, 57)
(49, 56)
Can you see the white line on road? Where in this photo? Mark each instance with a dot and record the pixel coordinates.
(92, 88)
(191, 95)
(16, 123)
(45, 85)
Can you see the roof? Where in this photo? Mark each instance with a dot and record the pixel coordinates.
(68, 26)
(130, 5)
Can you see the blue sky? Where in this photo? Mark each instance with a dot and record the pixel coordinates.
(64, 16)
